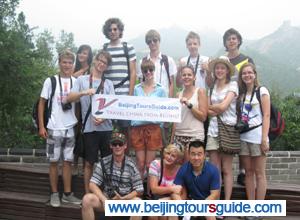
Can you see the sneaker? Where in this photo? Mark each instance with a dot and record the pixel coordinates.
(71, 199)
(54, 200)
(241, 179)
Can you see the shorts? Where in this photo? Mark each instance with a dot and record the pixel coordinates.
(94, 142)
(121, 125)
(250, 149)
(212, 143)
(182, 142)
(146, 137)
(60, 145)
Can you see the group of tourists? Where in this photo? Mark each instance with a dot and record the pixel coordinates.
(221, 114)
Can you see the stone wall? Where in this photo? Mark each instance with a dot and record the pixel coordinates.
(282, 166)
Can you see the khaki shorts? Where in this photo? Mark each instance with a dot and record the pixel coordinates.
(212, 143)
(59, 147)
(146, 137)
(250, 149)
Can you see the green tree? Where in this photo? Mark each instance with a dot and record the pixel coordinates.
(66, 40)
(22, 67)
(290, 109)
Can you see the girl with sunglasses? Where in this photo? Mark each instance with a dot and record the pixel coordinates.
(254, 140)
(146, 136)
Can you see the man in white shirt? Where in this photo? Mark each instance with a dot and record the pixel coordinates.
(59, 131)
(197, 61)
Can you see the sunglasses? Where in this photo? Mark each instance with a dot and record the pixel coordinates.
(117, 144)
(146, 70)
(112, 29)
(152, 41)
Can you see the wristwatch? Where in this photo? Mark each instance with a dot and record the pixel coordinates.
(190, 105)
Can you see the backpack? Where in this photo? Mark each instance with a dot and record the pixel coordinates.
(125, 48)
(47, 109)
(277, 123)
(164, 61)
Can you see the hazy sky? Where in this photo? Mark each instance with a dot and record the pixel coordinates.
(253, 18)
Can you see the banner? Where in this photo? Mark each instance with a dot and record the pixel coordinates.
(136, 108)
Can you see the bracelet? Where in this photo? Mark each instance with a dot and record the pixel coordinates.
(190, 106)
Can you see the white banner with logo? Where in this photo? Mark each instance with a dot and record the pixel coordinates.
(136, 108)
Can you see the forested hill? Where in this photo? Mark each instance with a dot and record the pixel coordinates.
(276, 55)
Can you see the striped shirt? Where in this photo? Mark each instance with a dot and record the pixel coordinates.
(119, 69)
(127, 183)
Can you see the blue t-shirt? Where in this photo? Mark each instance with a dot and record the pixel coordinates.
(198, 187)
(157, 92)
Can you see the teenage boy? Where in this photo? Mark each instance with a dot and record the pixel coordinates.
(59, 132)
(197, 61)
(232, 41)
(122, 71)
(165, 67)
(116, 177)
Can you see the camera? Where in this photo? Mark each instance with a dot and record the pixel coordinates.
(66, 106)
(242, 126)
(110, 191)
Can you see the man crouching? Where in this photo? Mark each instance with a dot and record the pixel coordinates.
(116, 177)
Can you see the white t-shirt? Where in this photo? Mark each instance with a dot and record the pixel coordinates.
(59, 120)
(161, 75)
(229, 116)
(254, 118)
(200, 75)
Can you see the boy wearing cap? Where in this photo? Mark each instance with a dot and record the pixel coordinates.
(116, 177)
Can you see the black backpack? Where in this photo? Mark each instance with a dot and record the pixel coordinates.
(277, 123)
(48, 106)
(125, 48)
(164, 61)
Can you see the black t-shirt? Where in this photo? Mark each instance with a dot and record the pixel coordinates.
(239, 60)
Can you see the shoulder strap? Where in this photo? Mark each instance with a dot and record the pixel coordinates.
(125, 47)
(53, 87)
(105, 178)
(161, 167)
(165, 61)
(105, 46)
(99, 89)
(257, 92)
(126, 53)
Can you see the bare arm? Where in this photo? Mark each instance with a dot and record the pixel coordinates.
(41, 108)
(161, 190)
(75, 96)
(181, 195)
(178, 75)
(265, 104)
(214, 195)
(201, 112)
(129, 196)
(80, 72)
(171, 88)
(132, 76)
(223, 106)
(98, 192)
